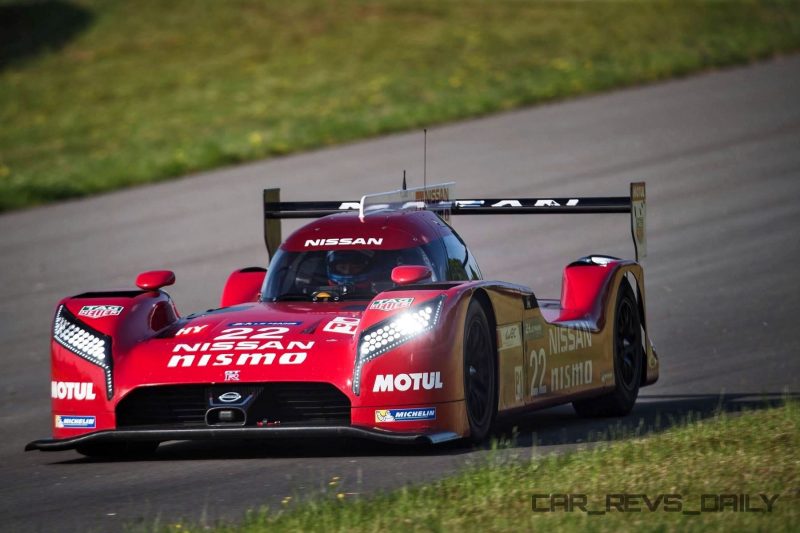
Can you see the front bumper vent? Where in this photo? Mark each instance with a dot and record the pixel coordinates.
(264, 404)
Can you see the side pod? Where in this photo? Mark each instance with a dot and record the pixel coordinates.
(587, 285)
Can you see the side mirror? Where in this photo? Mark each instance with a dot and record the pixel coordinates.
(152, 280)
(410, 274)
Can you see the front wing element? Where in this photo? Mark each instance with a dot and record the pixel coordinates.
(52, 445)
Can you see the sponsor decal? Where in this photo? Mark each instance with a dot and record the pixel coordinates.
(255, 345)
(563, 340)
(405, 415)
(435, 194)
(432, 194)
(509, 336)
(190, 330)
(250, 324)
(572, 375)
(244, 359)
(100, 311)
(229, 397)
(75, 421)
(469, 203)
(606, 377)
(552, 203)
(404, 382)
(345, 241)
(533, 329)
(342, 324)
(390, 304)
(638, 224)
(518, 383)
(261, 346)
(543, 202)
(232, 375)
(529, 302)
(70, 390)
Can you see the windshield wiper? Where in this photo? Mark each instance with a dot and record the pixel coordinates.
(358, 296)
(292, 296)
(336, 294)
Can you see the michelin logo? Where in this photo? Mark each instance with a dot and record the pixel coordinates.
(405, 415)
(70, 421)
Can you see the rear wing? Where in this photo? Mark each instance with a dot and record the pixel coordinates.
(438, 198)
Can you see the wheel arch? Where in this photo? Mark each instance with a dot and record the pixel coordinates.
(482, 297)
(634, 277)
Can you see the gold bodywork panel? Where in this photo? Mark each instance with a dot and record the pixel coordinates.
(564, 360)
(543, 362)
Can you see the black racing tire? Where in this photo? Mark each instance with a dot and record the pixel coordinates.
(118, 450)
(628, 361)
(480, 373)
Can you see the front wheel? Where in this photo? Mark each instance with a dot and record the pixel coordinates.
(480, 373)
(628, 358)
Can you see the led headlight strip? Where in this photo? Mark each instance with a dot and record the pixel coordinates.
(84, 342)
(391, 333)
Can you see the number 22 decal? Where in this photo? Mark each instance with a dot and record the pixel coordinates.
(233, 334)
(539, 367)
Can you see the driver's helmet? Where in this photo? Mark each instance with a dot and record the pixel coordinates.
(349, 267)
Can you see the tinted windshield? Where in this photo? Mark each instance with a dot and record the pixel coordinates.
(345, 274)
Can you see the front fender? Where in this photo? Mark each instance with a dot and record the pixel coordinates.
(89, 331)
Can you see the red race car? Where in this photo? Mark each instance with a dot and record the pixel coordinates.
(373, 321)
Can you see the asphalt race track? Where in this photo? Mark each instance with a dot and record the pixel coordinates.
(720, 153)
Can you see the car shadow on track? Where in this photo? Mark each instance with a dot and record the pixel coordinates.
(652, 414)
(557, 426)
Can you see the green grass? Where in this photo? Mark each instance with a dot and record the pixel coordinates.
(750, 454)
(98, 95)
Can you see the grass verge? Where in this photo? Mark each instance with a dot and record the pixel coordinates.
(755, 453)
(100, 95)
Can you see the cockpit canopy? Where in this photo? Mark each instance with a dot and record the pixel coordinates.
(347, 274)
(317, 259)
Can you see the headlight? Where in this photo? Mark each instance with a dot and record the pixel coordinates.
(391, 333)
(84, 342)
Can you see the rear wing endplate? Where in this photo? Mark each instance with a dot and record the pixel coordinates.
(635, 204)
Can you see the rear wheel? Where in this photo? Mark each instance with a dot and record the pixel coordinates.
(480, 373)
(118, 450)
(628, 361)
